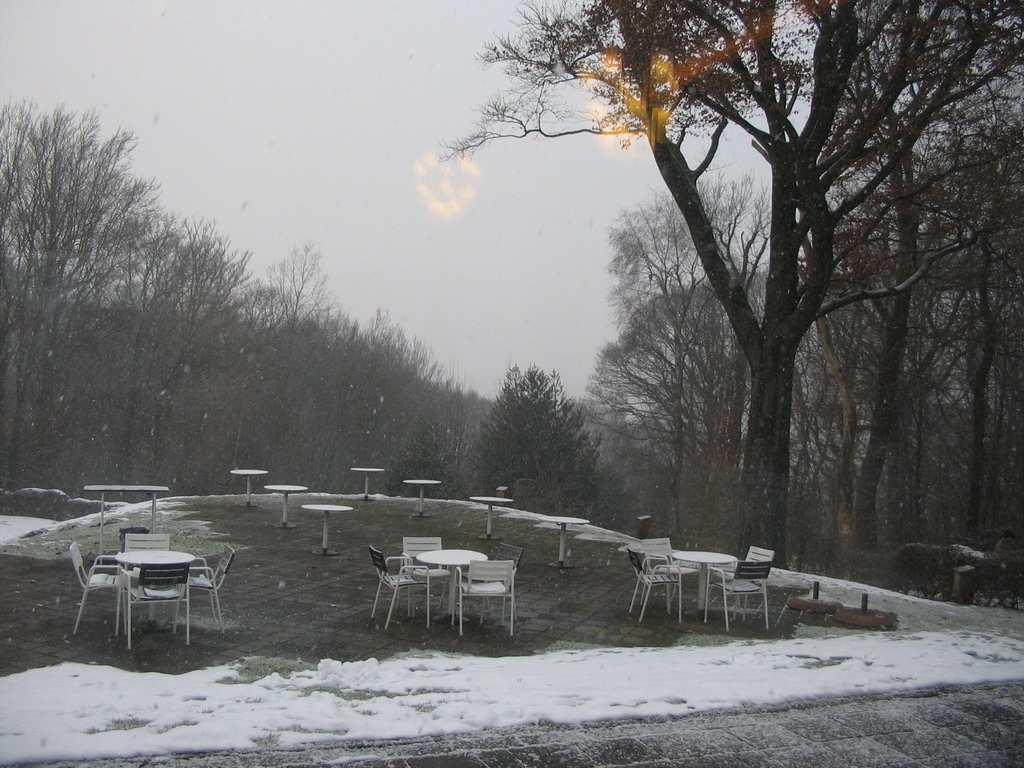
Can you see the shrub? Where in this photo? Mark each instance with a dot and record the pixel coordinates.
(927, 569)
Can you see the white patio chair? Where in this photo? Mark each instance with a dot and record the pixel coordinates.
(207, 579)
(648, 576)
(488, 579)
(755, 554)
(403, 579)
(100, 576)
(749, 577)
(509, 552)
(658, 552)
(165, 583)
(414, 545)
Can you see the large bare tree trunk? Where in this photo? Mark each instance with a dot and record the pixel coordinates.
(884, 429)
(844, 464)
(979, 395)
(766, 455)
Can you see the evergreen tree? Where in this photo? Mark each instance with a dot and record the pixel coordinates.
(428, 454)
(535, 432)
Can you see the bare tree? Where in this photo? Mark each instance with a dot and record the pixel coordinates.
(674, 377)
(69, 209)
(833, 95)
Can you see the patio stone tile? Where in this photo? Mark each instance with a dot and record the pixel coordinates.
(996, 735)
(698, 744)
(766, 735)
(924, 743)
(868, 752)
(816, 729)
(986, 711)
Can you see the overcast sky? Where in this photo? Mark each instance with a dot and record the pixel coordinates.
(294, 121)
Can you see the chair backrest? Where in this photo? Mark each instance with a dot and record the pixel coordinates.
(413, 545)
(752, 570)
(224, 565)
(78, 563)
(508, 552)
(759, 553)
(379, 561)
(136, 541)
(163, 576)
(132, 529)
(491, 570)
(659, 546)
(637, 559)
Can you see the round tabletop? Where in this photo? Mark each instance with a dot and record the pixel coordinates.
(450, 557)
(565, 520)
(366, 469)
(286, 488)
(248, 472)
(705, 558)
(491, 499)
(422, 482)
(138, 557)
(327, 507)
(127, 488)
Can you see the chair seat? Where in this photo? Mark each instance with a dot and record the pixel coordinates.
(200, 582)
(154, 594)
(103, 580)
(435, 573)
(676, 570)
(659, 577)
(484, 588)
(743, 586)
(403, 581)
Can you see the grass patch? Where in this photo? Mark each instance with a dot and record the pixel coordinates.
(267, 741)
(257, 667)
(813, 662)
(179, 724)
(121, 724)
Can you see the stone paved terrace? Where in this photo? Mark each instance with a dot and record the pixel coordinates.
(280, 600)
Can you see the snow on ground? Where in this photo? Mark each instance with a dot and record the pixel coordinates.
(12, 528)
(80, 712)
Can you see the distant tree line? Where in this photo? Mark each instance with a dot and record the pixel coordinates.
(138, 347)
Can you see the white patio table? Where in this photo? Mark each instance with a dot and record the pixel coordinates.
(367, 471)
(422, 484)
(326, 509)
(450, 559)
(248, 474)
(285, 490)
(562, 522)
(703, 560)
(490, 501)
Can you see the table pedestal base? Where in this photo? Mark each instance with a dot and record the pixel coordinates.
(421, 514)
(324, 552)
(489, 537)
(283, 525)
(561, 565)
